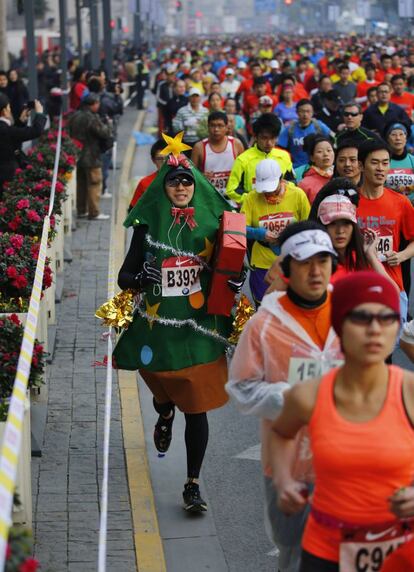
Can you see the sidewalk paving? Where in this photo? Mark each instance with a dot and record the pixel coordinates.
(66, 480)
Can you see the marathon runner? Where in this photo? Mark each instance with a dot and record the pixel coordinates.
(287, 341)
(243, 174)
(215, 155)
(364, 498)
(269, 209)
(389, 214)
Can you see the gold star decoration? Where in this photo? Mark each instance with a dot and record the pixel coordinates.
(208, 250)
(152, 312)
(175, 144)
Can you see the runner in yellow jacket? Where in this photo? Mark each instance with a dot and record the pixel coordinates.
(243, 174)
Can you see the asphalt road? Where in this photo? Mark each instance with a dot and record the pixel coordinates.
(232, 481)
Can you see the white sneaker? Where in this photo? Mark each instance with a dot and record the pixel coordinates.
(101, 216)
(82, 215)
(106, 195)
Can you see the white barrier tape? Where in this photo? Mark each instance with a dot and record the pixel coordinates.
(10, 448)
(103, 525)
(13, 431)
(55, 167)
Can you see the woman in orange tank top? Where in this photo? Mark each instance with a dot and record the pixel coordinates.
(361, 426)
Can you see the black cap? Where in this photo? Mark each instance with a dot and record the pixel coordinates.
(4, 101)
(179, 171)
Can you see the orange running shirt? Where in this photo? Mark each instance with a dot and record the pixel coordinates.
(316, 321)
(358, 466)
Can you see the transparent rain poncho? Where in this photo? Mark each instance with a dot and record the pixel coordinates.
(275, 352)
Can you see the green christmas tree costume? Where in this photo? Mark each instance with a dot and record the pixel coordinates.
(151, 344)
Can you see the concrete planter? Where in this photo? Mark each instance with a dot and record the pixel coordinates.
(58, 243)
(23, 515)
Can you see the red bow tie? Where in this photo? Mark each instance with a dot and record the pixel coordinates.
(187, 213)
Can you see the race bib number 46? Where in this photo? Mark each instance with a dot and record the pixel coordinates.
(180, 276)
(276, 222)
(385, 246)
(367, 551)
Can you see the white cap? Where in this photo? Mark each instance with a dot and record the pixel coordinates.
(171, 68)
(268, 175)
(274, 64)
(307, 243)
(266, 100)
(194, 91)
(229, 71)
(336, 207)
(194, 70)
(242, 65)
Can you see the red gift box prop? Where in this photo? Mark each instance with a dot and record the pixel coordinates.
(228, 262)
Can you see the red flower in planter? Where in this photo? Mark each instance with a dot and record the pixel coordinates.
(20, 281)
(15, 223)
(30, 565)
(23, 204)
(10, 251)
(14, 319)
(11, 272)
(16, 240)
(33, 216)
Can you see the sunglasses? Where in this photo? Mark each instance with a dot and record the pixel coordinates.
(180, 181)
(362, 318)
(350, 114)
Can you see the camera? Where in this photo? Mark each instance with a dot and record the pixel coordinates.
(29, 105)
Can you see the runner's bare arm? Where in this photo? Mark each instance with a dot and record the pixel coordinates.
(396, 258)
(197, 155)
(297, 409)
(238, 147)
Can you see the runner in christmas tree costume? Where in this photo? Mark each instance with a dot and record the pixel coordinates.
(177, 347)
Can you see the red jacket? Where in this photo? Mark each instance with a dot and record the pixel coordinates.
(141, 188)
(312, 183)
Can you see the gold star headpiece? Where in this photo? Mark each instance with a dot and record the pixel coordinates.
(175, 144)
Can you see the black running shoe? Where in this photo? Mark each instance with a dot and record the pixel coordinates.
(163, 433)
(192, 499)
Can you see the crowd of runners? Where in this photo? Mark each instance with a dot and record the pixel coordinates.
(311, 140)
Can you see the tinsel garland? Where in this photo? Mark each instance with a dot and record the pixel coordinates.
(118, 311)
(244, 311)
(182, 323)
(162, 246)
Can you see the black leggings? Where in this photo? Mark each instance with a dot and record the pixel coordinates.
(311, 563)
(196, 437)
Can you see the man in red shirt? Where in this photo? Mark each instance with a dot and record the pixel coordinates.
(251, 101)
(363, 86)
(389, 214)
(247, 85)
(400, 96)
(386, 69)
(145, 182)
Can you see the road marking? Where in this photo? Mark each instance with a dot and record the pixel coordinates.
(149, 549)
(274, 552)
(251, 454)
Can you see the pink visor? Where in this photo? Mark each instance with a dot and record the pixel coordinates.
(336, 207)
